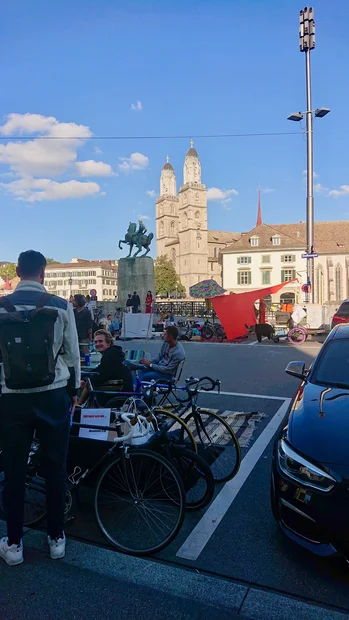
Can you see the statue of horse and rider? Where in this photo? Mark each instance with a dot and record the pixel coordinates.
(137, 237)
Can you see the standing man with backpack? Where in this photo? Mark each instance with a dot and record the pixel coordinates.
(40, 377)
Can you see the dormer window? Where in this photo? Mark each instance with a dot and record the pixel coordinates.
(276, 240)
(254, 241)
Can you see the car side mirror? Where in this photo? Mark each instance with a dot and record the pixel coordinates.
(297, 369)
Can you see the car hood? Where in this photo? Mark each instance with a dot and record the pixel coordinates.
(321, 432)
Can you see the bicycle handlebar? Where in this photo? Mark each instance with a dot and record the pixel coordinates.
(213, 383)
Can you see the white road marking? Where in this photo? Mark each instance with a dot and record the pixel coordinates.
(251, 344)
(201, 534)
(250, 395)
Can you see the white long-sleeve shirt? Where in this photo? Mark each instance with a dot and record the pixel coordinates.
(68, 371)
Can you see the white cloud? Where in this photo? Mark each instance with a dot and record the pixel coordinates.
(52, 151)
(136, 161)
(91, 168)
(136, 107)
(315, 175)
(40, 157)
(267, 190)
(151, 193)
(342, 191)
(144, 217)
(97, 150)
(319, 189)
(223, 195)
(37, 190)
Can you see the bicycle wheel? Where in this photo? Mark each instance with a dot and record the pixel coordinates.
(176, 428)
(297, 335)
(139, 502)
(220, 334)
(217, 443)
(207, 332)
(34, 501)
(196, 475)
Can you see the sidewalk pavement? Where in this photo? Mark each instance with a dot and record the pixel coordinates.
(94, 583)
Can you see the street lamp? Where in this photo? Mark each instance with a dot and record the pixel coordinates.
(306, 44)
(70, 282)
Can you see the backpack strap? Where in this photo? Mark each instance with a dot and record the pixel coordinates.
(43, 299)
(5, 303)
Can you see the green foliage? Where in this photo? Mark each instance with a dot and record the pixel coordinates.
(166, 277)
(51, 260)
(8, 271)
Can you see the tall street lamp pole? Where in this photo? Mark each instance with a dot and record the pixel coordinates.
(306, 44)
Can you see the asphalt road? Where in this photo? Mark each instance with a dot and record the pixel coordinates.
(238, 538)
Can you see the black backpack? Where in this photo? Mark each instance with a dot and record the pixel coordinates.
(26, 344)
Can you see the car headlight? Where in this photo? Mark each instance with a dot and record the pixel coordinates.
(298, 468)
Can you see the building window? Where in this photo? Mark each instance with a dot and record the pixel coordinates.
(172, 227)
(265, 277)
(287, 275)
(197, 214)
(254, 241)
(215, 253)
(173, 256)
(244, 278)
(288, 258)
(185, 219)
(211, 266)
(338, 282)
(197, 197)
(161, 228)
(265, 259)
(244, 260)
(276, 240)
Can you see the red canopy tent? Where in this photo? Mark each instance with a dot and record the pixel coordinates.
(237, 311)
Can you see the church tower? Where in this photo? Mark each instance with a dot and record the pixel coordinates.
(167, 215)
(193, 251)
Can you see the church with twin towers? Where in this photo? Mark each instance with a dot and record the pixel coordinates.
(181, 224)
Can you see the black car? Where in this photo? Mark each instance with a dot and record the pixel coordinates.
(310, 471)
(342, 314)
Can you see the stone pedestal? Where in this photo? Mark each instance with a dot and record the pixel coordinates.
(135, 274)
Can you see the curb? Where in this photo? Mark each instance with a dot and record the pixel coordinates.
(219, 593)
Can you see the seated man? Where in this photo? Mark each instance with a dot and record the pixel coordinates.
(111, 367)
(165, 365)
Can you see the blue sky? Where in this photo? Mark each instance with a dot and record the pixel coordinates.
(197, 67)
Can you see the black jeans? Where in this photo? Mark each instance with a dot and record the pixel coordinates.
(47, 413)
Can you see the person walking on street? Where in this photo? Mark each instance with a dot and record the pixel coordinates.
(136, 302)
(149, 303)
(83, 322)
(40, 377)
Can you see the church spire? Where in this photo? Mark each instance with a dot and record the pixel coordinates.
(259, 214)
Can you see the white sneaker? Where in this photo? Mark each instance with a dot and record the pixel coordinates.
(12, 555)
(57, 547)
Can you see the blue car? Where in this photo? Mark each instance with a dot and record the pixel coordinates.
(310, 470)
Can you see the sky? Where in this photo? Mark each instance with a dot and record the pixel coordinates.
(137, 70)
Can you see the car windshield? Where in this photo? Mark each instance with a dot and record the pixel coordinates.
(343, 309)
(332, 367)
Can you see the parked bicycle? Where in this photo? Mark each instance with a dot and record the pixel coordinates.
(139, 498)
(215, 439)
(211, 330)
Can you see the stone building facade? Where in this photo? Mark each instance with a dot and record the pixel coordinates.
(271, 254)
(181, 225)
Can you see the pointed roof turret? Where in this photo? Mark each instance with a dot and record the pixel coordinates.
(192, 152)
(259, 212)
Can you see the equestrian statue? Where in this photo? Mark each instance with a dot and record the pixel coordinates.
(138, 238)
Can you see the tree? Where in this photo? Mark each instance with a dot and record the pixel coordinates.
(8, 271)
(166, 279)
(52, 260)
